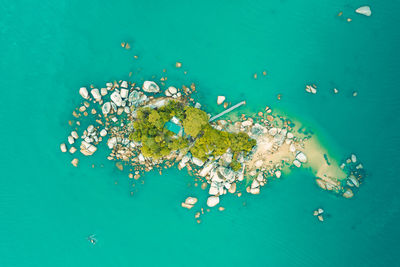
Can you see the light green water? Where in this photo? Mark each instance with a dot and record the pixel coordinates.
(51, 48)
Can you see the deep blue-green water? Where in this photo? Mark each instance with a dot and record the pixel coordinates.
(51, 48)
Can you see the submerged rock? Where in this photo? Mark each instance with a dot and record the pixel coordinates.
(75, 162)
(348, 193)
(364, 10)
(150, 87)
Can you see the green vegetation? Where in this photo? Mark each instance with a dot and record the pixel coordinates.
(158, 142)
(195, 120)
(149, 128)
(235, 165)
(215, 143)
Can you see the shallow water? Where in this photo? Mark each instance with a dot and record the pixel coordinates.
(48, 208)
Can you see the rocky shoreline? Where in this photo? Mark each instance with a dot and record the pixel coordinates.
(108, 115)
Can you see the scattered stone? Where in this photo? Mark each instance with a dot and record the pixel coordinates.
(320, 211)
(103, 132)
(335, 90)
(221, 208)
(320, 218)
(74, 134)
(348, 193)
(84, 93)
(178, 64)
(311, 89)
(63, 148)
(364, 10)
(220, 99)
(72, 150)
(103, 91)
(315, 213)
(191, 200)
(353, 158)
(71, 140)
(278, 174)
(355, 93)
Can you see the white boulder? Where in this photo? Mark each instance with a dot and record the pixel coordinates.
(353, 158)
(301, 157)
(74, 134)
(116, 98)
(213, 190)
(84, 92)
(124, 93)
(103, 91)
(150, 87)
(197, 161)
(364, 10)
(63, 148)
(220, 99)
(191, 200)
(106, 108)
(71, 140)
(124, 84)
(96, 94)
(212, 201)
(278, 174)
(103, 132)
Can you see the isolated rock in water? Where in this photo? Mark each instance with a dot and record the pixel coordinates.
(150, 87)
(278, 174)
(84, 93)
(116, 98)
(348, 193)
(320, 211)
(364, 10)
(106, 108)
(212, 201)
(353, 158)
(191, 200)
(220, 99)
(63, 148)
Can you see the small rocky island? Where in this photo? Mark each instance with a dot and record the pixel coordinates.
(146, 128)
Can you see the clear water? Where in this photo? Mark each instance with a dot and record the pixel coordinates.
(48, 208)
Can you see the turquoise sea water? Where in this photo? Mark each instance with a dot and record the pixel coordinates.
(51, 48)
